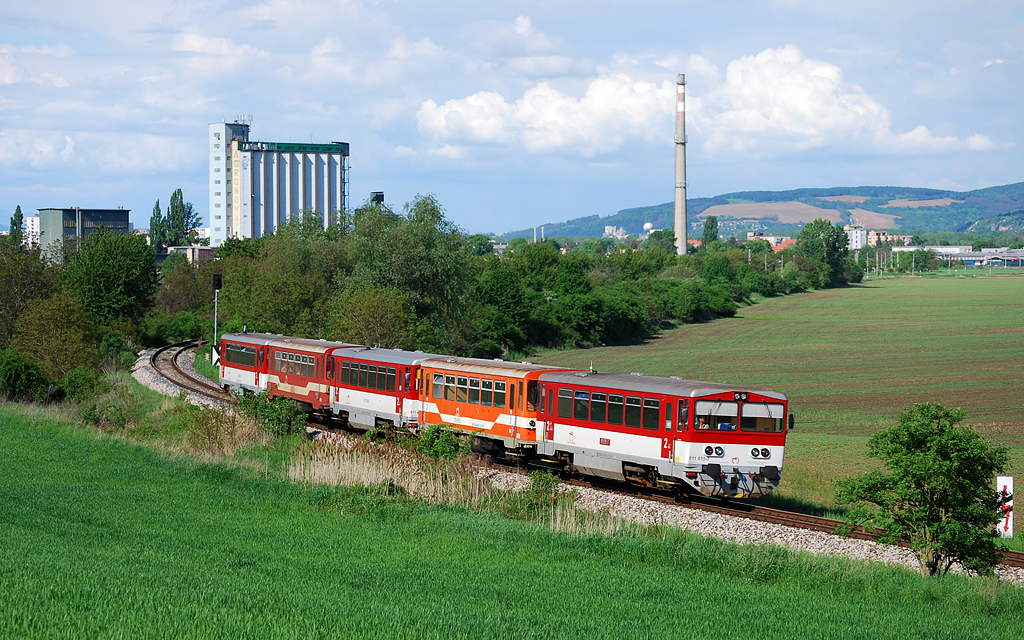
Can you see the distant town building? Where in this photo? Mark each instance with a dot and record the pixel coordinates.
(856, 236)
(195, 255)
(257, 186)
(611, 231)
(31, 238)
(876, 238)
(58, 225)
(772, 240)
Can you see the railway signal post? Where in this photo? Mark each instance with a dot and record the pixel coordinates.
(217, 282)
(1004, 485)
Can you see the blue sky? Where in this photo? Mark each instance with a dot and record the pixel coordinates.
(513, 114)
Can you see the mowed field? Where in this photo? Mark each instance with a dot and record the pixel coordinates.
(851, 359)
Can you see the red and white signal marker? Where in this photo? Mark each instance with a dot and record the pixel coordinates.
(1004, 484)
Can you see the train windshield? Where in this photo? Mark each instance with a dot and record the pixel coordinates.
(716, 415)
(762, 417)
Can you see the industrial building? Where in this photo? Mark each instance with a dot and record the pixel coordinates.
(58, 225)
(256, 186)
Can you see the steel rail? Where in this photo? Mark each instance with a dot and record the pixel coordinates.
(183, 379)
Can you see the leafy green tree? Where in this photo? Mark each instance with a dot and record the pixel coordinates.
(113, 275)
(664, 238)
(157, 229)
(181, 222)
(16, 237)
(174, 261)
(710, 231)
(758, 247)
(826, 245)
(20, 377)
(24, 277)
(374, 317)
(937, 493)
(60, 315)
(240, 247)
(479, 244)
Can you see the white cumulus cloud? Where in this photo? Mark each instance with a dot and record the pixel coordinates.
(613, 110)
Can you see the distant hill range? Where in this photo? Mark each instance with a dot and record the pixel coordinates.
(786, 212)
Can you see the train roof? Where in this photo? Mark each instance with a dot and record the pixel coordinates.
(390, 356)
(252, 338)
(650, 384)
(488, 367)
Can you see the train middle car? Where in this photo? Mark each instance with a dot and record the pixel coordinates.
(683, 435)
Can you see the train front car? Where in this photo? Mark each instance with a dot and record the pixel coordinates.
(243, 361)
(682, 435)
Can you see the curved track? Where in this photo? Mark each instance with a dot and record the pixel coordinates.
(165, 362)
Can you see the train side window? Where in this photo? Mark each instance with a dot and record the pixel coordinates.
(565, 403)
(598, 407)
(499, 393)
(683, 423)
(362, 374)
(382, 378)
(344, 372)
(512, 397)
(522, 398)
(486, 392)
(371, 377)
(614, 409)
(474, 391)
(461, 389)
(305, 367)
(581, 406)
(437, 390)
(668, 416)
(391, 379)
(449, 387)
(652, 413)
(531, 394)
(633, 412)
(408, 379)
(551, 401)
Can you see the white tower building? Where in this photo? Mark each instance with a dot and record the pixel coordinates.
(256, 186)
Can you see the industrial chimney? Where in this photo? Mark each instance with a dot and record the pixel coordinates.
(680, 202)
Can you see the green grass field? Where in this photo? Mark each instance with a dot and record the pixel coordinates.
(851, 359)
(103, 537)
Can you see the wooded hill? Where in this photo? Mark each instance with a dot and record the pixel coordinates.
(998, 208)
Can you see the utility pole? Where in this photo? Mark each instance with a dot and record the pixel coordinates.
(217, 282)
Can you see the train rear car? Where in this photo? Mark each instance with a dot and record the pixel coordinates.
(685, 435)
(243, 360)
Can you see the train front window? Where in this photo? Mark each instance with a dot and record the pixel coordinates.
(716, 415)
(474, 391)
(437, 386)
(565, 403)
(581, 406)
(762, 417)
(614, 409)
(652, 413)
(499, 394)
(486, 392)
(598, 407)
(449, 388)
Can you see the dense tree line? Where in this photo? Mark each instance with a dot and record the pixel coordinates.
(376, 276)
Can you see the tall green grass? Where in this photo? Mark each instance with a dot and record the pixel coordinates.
(105, 537)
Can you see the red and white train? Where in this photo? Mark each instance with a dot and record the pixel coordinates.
(684, 435)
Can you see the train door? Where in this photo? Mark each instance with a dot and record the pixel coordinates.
(667, 435)
(681, 432)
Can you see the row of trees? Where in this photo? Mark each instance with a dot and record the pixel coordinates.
(175, 228)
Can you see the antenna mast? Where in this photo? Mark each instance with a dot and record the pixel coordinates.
(680, 200)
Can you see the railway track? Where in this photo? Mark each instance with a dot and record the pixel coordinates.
(165, 362)
(765, 514)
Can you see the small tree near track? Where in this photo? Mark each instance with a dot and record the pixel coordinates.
(937, 494)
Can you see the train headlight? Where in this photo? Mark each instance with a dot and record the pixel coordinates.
(708, 451)
(765, 453)
(719, 451)
(755, 452)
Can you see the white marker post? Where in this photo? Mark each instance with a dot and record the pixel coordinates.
(1004, 485)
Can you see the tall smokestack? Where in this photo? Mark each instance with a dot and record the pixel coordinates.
(680, 208)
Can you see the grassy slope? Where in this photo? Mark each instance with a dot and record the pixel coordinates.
(103, 537)
(851, 359)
